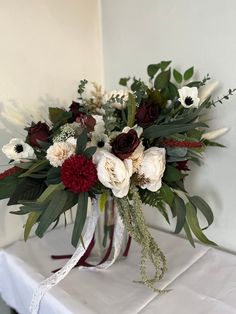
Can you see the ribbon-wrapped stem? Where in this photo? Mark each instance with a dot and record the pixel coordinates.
(131, 213)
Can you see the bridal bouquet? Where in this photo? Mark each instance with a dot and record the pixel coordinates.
(135, 145)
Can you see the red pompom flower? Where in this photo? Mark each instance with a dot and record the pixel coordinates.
(78, 173)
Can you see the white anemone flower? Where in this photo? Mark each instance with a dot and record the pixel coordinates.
(18, 150)
(100, 140)
(189, 97)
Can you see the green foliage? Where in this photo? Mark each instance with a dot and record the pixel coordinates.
(90, 151)
(53, 176)
(154, 199)
(38, 165)
(167, 194)
(82, 87)
(124, 81)
(80, 219)
(162, 80)
(27, 189)
(31, 221)
(164, 130)
(177, 76)
(193, 223)
(179, 211)
(189, 234)
(131, 106)
(81, 142)
(172, 174)
(199, 203)
(54, 209)
(8, 185)
(152, 69)
(188, 73)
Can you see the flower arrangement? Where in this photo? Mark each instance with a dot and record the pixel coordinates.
(135, 145)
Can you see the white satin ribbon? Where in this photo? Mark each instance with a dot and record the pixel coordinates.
(53, 280)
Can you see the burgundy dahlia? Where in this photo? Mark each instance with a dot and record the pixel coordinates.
(125, 144)
(78, 173)
(38, 132)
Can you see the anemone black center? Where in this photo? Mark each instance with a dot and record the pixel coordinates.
(188, 101)
(100, 144)
(19, 148)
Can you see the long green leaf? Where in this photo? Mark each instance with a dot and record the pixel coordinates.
(80, 219)
(54, 209)
(192, 220)
(180, 211)
(167, 194)
(189, 234)
(198, 202)
(38, 165)
(81, 142)
(31, 220)
(49, 192)
(169, 129)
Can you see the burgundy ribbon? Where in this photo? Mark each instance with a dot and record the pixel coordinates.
(82, 261)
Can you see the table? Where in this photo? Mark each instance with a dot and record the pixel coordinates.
(202, 280)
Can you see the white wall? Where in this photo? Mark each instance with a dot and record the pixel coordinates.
(201, 33)
(46, 47)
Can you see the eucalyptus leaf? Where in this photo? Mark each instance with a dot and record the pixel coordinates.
(167, 194)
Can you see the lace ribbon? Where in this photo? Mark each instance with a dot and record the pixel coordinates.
(53, 280)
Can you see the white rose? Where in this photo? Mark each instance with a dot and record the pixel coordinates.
(113, 172)
(18, 150)
(152, 168)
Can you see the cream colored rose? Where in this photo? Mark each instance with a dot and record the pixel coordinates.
(113, 172)
(152, 168)
(59, 152)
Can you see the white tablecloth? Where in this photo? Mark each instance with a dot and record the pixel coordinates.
(202, 280)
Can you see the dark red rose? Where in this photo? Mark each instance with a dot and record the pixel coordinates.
(147, 113)
(86, 120)
(182, 165)
(38, 132)
(75, 109)
(125, 144)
